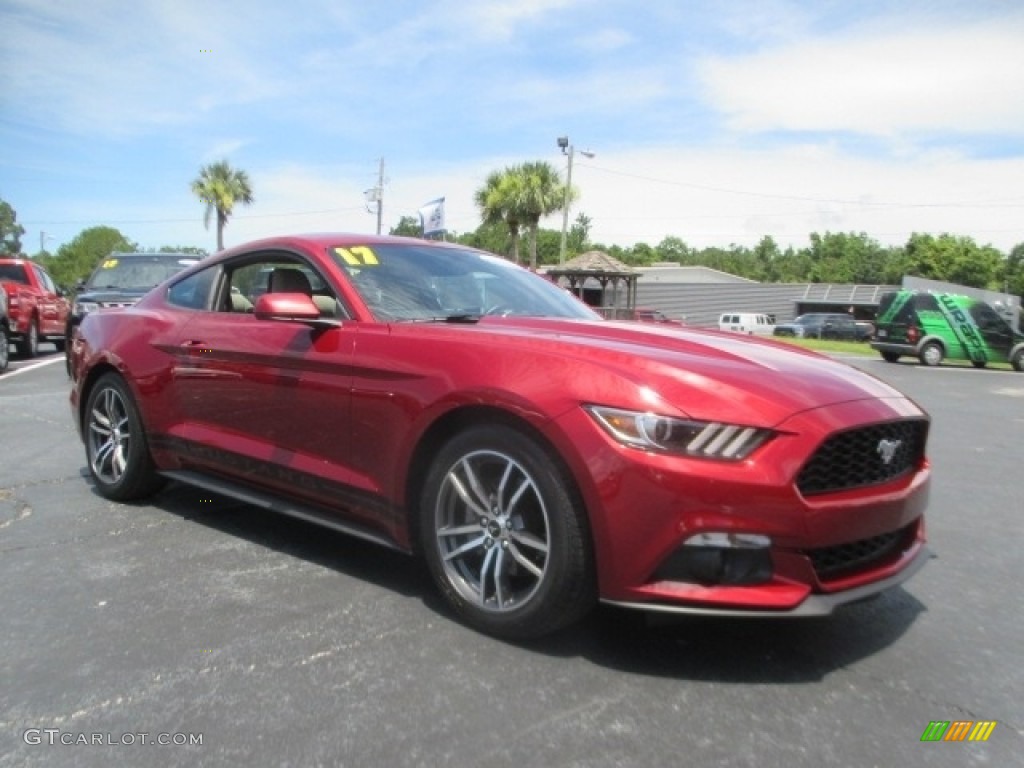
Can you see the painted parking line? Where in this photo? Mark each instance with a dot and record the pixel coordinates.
(10, 374)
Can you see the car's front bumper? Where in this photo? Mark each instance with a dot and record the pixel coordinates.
(809, 604)
(646, 510)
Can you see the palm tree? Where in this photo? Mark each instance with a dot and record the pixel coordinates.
(495, 199)
(537, 192)
(220, 186)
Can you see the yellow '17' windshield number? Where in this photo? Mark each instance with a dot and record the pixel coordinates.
(358, 256)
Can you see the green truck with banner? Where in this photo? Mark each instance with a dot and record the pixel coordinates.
(935, 326)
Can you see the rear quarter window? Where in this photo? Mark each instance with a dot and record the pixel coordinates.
(194, 291)
(14, 273)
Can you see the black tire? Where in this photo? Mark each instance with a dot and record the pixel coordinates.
(890, 357)
(932, 354)
(979, 363)
(1017, 361)
(503, 535)
(115, 443)
(5, 347)
(28, 347)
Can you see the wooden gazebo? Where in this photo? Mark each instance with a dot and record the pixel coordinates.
(601, 268)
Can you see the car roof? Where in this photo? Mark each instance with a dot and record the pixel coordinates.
(164, 255)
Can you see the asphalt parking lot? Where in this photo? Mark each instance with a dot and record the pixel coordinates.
(271, 642)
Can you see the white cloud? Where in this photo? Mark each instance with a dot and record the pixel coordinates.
(923, 79)
(722, 196)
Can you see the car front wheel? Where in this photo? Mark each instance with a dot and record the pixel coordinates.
(503, 536)
(115, 443)
(1017, 361)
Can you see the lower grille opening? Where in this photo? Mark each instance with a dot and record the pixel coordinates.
(710, 566)
(846, 559)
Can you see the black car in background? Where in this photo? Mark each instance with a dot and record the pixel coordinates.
(120, 280)
(822, 325)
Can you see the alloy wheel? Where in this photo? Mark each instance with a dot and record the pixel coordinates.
(493, 531)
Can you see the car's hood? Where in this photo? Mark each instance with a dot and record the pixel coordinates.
(103, 296)
(702, 373)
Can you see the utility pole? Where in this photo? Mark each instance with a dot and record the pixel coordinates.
(569, 150)
(376, 195)
(380, 195)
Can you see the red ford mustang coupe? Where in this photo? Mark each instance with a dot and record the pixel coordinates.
(442, 401)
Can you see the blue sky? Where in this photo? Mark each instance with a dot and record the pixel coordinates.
(715, 122)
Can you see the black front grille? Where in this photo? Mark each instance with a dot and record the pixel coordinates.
(857, 457)
(841, 560)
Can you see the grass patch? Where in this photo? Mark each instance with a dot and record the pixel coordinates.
(833, 346)
(863, 349)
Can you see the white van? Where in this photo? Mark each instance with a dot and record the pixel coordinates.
(747, 322)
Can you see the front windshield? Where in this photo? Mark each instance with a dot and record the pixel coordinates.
(410, 282)
(135, 274)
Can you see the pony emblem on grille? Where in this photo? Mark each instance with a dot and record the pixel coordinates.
(887, 449)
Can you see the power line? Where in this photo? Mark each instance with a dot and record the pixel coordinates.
(1006, 203)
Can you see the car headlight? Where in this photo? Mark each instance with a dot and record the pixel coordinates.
(84, 307)
(665, 434)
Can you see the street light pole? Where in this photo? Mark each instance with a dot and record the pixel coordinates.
(569, 150)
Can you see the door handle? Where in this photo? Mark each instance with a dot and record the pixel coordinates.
(195, 347)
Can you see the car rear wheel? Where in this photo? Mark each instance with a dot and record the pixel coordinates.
(932, 353)
(115, 443)
(29, 345)
(503, 536)
(890, 357)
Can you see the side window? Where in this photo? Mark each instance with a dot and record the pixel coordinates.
(44, 280)
(194, 291)
(14, 273)
(249, 278)
(987, 319)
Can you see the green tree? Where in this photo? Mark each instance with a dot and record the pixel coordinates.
(408, 226)
(578, 237)
(954, 259)
(846, 257)
(487, 237)
(536, 191)
(673, 249)
(76, 259)
(10, 230)
(1013, 271)
(219, 187)
(496, 200)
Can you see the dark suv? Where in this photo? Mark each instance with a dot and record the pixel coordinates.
(821, 325)
(121, 280)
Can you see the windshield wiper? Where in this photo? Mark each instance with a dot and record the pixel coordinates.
(460, 317)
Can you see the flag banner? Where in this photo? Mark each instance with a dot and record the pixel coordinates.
(432, 217)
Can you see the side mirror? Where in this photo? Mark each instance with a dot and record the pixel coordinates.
(291, 307)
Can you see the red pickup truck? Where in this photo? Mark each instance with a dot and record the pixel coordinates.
(37, 309)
